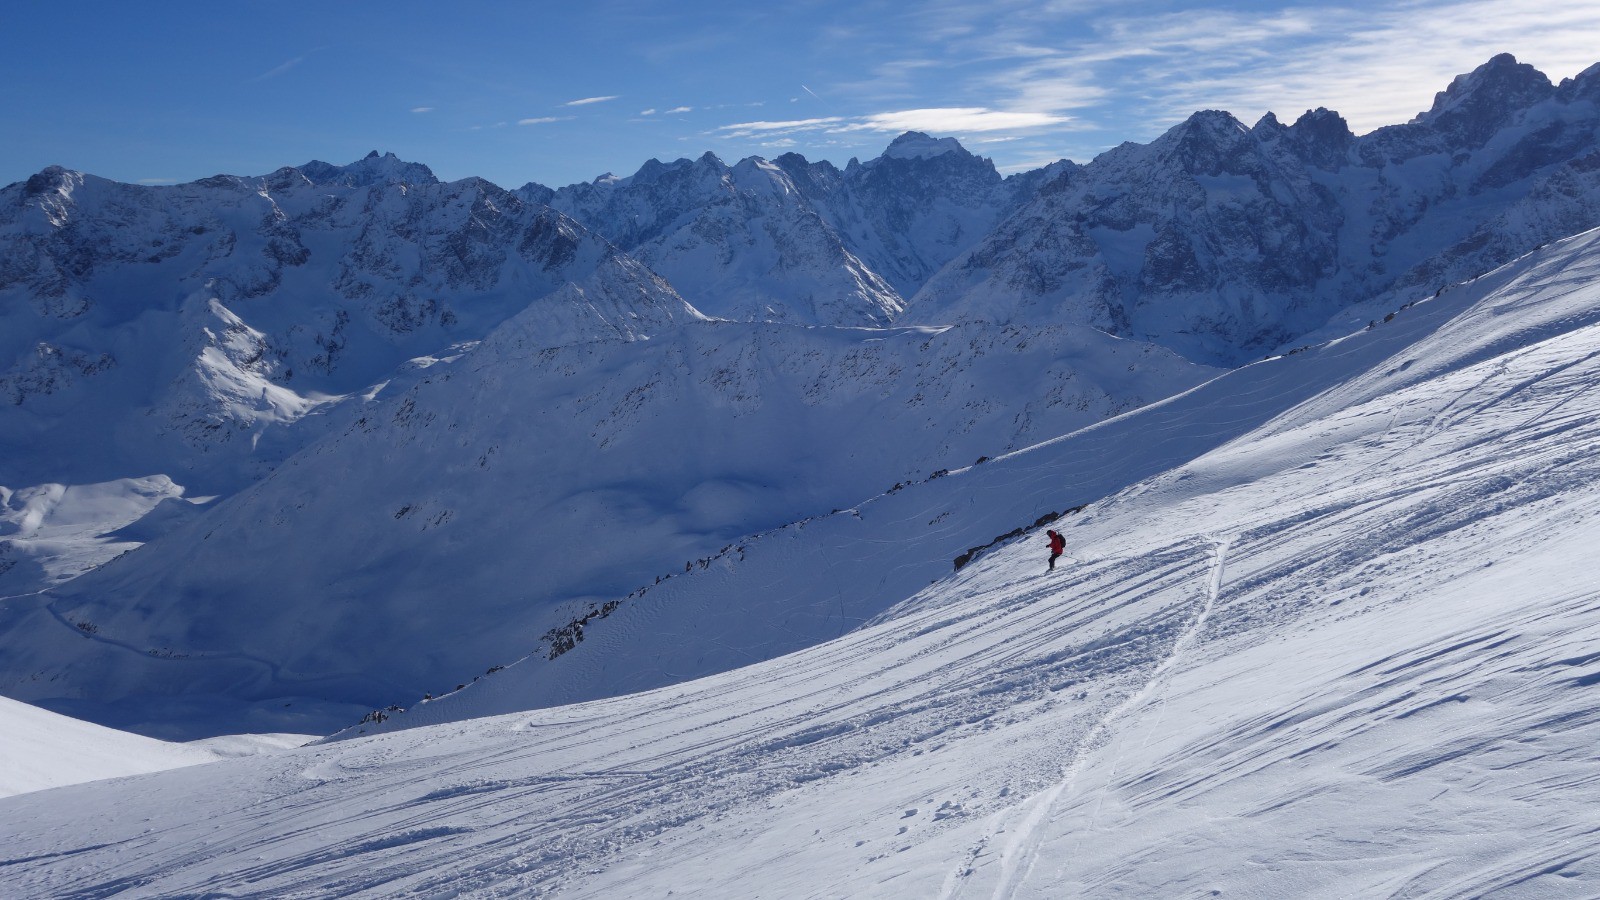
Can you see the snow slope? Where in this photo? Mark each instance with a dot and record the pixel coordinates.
(44, 750)
(557, 479)
(763, 596)
(1346, 649)
(52, 533)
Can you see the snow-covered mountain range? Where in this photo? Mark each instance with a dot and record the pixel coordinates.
(1226, 241)
(281, 450)
(1326, 629)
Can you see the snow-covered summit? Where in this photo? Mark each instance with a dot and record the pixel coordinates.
(1481, 102)
(741, 242)
(917, 145)
(371, 169)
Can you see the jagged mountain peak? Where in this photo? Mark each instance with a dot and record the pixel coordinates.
(1583, 86)
(50, 179)
(917, 145)
(1200, 144)
(1322, 119)
(1268, 124)
(1483, 100)
(1206, 128)
(1321, 137)
(654, 171)
(1210, 121)
(370, 170)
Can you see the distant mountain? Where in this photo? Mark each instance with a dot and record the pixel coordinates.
(185, 325)
(910, 211)
(740, 242)
(795, 241)
(1224, 241)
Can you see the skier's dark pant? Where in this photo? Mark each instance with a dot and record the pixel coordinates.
(1053, 558)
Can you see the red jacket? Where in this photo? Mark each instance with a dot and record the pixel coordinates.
(1058, 544)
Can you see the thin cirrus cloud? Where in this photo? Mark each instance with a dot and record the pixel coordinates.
(1166, 65)
(422, 109)
(544, 120)
(1092, 75)
(588, 100)
(942, 120)
(1388, 70)
(279, 69)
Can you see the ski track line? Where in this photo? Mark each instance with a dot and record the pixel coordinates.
(1021, 848)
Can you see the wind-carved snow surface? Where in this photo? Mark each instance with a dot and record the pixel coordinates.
(1344, 648)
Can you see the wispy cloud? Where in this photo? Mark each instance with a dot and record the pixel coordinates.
(772, 129)
(648, 112)
(679, 109)
(279, 69)
(422, 109)
(1131, 65)
(1379, 73)
(939, 120)
(588, 100)
(545, 120)
(957, 119)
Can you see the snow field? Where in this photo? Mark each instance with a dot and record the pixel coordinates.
(1344, 652)
(44, 750)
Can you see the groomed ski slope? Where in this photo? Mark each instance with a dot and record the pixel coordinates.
(1351, 652)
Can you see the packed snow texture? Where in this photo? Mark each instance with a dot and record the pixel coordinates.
(1345, 649)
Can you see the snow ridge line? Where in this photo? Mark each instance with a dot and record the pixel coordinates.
(1021, 849)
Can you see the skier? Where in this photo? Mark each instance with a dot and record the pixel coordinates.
(1058, 546)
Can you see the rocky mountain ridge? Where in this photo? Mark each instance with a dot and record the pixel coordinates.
(1225, 241)
(183, 323)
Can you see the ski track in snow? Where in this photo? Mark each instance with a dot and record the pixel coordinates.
(1022, 839)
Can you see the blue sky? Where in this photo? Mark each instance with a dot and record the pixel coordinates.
(557, 93)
